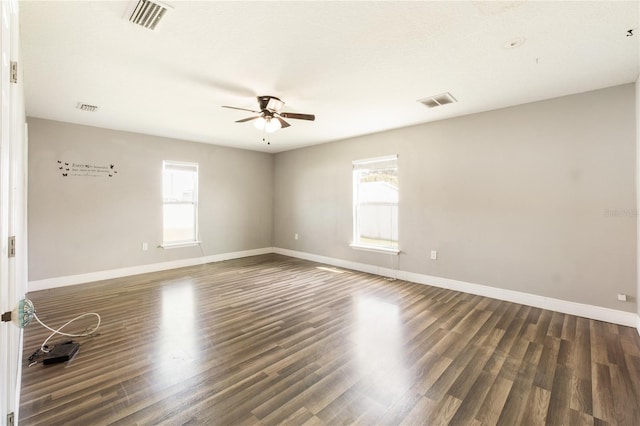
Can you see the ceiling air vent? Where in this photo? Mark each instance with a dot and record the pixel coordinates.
(87, 107)
(148, 13)
(435, 101)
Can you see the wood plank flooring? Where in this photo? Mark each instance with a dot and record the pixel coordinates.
(274, 340)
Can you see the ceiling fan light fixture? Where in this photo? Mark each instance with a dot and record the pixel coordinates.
(260, 123)
(272, 124)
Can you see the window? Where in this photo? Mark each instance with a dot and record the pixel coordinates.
(180, 203)
(375, 204)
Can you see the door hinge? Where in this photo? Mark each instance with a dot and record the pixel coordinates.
(12, 246)
(14, 72)
(10, 419)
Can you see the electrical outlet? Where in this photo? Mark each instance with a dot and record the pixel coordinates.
(145, 246)
(622, 297)
(434, 255)
(295, 236)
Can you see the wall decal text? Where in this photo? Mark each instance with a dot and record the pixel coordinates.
(69, 168)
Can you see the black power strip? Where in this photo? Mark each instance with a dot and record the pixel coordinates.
(62, 352)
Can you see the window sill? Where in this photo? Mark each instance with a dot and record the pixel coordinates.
(179, 245)
(375, 249)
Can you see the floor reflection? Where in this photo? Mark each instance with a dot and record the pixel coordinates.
(177, 340)
(380, 348)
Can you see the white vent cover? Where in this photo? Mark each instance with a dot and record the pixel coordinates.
(438, 100)
(148, 14)
(87, 107)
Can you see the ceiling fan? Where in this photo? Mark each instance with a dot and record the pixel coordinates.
(269, 117)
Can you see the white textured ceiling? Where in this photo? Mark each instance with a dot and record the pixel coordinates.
(358, 66)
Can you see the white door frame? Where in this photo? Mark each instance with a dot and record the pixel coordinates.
(13, 190)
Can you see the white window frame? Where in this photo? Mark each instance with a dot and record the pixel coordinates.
(168, 164)
(359, 165)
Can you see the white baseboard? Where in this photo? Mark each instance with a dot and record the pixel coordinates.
(629, 319)
(141, 269)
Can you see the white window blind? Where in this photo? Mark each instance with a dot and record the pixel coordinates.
(375, 203)
(180, 203)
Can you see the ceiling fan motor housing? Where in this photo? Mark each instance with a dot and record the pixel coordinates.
(269, 103)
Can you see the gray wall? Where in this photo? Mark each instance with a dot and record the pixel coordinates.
(638, 191)
(537, 198)
(85, 224)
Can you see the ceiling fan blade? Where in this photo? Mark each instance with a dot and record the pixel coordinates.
(241, 109)
(246, 119)
(297, 116)
(283, 123)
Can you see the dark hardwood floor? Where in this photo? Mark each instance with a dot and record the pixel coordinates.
(275, 340)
